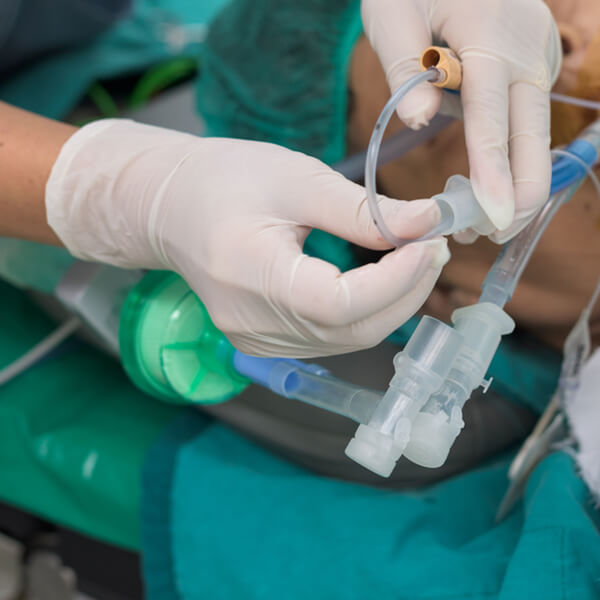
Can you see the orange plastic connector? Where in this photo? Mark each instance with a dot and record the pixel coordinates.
(447, 62)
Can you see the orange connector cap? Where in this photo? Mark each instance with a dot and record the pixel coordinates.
(447, 62)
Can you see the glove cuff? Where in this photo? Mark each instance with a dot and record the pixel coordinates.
(105, 189)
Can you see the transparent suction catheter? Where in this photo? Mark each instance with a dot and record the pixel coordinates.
(430, 75)
(457, 204)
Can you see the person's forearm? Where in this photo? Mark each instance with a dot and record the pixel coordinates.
(29, 146)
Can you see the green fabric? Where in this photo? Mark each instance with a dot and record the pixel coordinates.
(52, 86)
(72, 450)
(225, 519)
(276, 71)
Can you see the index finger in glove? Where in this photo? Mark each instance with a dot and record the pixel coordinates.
(320, 294)
(334, 204)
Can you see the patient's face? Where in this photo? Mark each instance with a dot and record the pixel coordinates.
(563, 271)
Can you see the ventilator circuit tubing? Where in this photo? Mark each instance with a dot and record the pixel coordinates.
(502, 278)
(309, 383)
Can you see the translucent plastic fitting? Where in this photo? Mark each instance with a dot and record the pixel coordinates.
(459, 208)
(420, 370)
(425, 437)
(437, 426)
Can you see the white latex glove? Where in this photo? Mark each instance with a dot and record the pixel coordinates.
(231, 217)
(511, 55)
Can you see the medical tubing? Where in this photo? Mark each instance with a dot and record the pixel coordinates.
(501, 280)
(396, 146)
(561, 178)
(574, 161)
(333, 395)
(373, 154)
(581, 102)
(584, 165)
(40, 350)
(308, 383)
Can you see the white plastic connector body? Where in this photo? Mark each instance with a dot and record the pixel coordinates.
(420, 370)
(437, 426)
(459, 208)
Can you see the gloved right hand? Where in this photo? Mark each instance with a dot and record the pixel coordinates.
(231, 217)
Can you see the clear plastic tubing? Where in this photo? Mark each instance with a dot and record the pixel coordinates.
(581, 102)
(393, 148)
(332, 394)
(372, 159)
(430, 75)
(502, 278)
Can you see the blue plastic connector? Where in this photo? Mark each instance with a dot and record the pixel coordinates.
(565, 172)
(273, 373)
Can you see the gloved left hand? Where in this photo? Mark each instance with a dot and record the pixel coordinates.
(511, 55)
(231, 217)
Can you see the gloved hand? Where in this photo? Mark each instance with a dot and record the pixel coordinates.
(231, 217)
(511, 55)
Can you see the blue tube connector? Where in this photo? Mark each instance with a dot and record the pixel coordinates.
(275, 374)
(565, 172)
